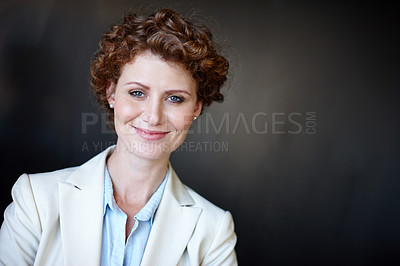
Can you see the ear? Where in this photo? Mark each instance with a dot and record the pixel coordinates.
(199, 107)
(110, 92)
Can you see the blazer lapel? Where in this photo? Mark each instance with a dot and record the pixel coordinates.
(173, 225)
(81, 212)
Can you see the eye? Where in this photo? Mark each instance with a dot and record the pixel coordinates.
(137, 94)
(175, 99)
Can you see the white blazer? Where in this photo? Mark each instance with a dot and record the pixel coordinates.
(56, 218)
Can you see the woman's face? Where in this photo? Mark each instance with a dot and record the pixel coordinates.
(154, 105)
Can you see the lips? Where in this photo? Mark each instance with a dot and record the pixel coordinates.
(151, 134)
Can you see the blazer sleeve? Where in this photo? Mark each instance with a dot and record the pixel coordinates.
(221, 251)
(21, 230)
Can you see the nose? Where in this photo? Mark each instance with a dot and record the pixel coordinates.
(153, 113)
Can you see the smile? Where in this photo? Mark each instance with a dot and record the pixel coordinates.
(151, 134)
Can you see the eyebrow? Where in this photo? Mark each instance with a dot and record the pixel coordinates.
(148, 88)
(177, 91)
(137, 83)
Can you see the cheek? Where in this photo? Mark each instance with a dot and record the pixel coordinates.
(125, 111)
(180, 121)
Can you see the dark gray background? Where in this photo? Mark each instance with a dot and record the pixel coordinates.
(327, 198)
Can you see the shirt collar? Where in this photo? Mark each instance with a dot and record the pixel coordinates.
(147, 212)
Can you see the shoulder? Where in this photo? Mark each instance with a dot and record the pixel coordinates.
(209, 208)
(88, 171)
(187, 197)
(213, 220)
(37, 184)
(212, 217)
(39, 192)
(214, 237)
(50, 178)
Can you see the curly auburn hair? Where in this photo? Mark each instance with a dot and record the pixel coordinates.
(165, 34)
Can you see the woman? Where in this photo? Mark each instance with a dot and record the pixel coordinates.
(126, 206)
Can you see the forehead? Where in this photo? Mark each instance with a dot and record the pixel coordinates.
(154, 71)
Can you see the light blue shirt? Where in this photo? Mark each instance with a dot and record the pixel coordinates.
(114, 250)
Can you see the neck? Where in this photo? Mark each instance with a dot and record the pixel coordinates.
(135, 179)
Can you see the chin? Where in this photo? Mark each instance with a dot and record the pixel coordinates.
(150, 150)
(151, 155)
